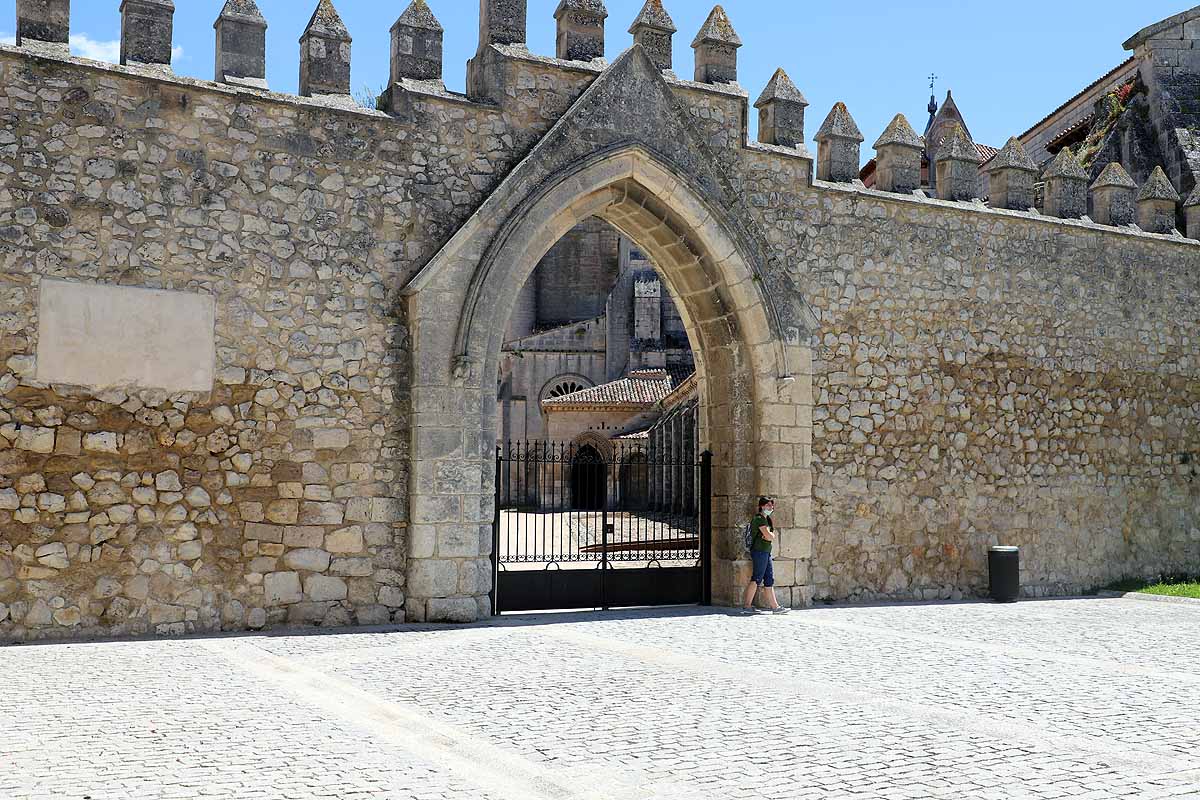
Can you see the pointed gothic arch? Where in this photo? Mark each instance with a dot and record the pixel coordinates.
(746, 369)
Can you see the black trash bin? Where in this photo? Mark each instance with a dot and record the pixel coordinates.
(1004, 572)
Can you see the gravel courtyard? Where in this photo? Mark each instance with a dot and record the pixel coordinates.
(1057, 699)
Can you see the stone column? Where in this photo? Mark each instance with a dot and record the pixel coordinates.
(1191, 210)
(716, 47)
(580, 29)
(325, 54)
(417, 45)
(1010, 177)
(838, 144)
(781, 112)
(241, 44)
(1112, 196)
(1156, 203)
(147, 28)
(898, 158)
(653, 30)
(44, 25)
(957, 165)
(502, 22)
(1066, 187)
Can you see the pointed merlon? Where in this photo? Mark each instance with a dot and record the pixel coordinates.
(326, 22)
(1158, 187)
(580, 29)
(243, 10)
(717, 29)
(957, 146)
(839, 125)
(1012, 156)
(587, 6)
(1193, 201)
(900, 133)
(716, 47)
(654, 16)
(780, 89)
(1114, 176)
(419, 15)
(1066, 166)
(241, 52)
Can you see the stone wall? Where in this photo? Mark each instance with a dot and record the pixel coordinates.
(914, 379)
(986, 377)
(279, 495)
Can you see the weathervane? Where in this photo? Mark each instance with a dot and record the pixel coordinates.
(932, 82)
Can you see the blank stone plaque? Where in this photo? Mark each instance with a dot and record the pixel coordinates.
(116, 336)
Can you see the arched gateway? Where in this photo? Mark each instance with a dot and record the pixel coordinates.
(655, 183)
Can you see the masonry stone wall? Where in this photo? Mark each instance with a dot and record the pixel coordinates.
(914, 379)
(279, 496)
(985, 377)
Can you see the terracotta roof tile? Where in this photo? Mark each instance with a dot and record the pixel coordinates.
(642, 388)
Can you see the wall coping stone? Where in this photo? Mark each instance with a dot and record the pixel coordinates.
(919, 198)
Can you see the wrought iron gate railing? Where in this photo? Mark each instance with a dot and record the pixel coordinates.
(600, 525)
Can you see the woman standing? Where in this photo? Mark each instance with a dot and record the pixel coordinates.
(761, 545)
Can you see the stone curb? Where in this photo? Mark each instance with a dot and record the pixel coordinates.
(1153, 598)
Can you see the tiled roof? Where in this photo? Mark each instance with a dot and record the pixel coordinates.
(986, 151)
(1113, 73)
(639, 389)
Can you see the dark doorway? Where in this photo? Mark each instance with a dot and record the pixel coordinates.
(589, 480)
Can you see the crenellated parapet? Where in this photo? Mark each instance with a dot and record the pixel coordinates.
(507, 79)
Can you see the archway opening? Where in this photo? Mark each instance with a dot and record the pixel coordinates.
(753, 388)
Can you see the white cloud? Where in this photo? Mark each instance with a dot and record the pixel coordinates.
(84, 45)
(87, 47)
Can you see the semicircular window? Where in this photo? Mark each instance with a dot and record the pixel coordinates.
(565, 386)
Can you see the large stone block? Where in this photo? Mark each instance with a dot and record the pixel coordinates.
(432, 578)
(320, 588)
(452, 609)
(282, 588)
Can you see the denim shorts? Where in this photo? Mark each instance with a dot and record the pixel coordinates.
(764, 572)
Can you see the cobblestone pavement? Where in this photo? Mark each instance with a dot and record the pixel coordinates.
(1056, 699)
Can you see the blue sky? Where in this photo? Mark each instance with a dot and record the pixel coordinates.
(1008, 63)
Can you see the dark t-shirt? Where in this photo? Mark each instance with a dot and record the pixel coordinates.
(760, 544)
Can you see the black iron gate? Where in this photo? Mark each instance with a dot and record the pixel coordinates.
(604, 525)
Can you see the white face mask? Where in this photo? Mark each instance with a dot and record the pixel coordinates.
(768, 512)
